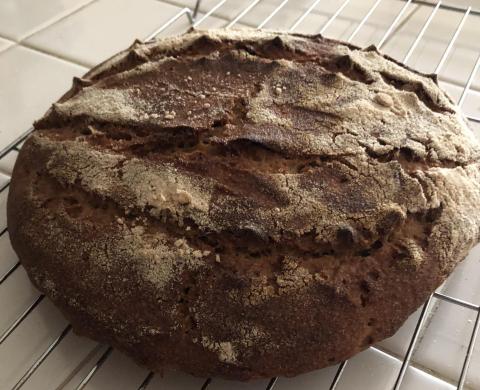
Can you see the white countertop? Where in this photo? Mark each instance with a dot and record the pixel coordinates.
(43, 44)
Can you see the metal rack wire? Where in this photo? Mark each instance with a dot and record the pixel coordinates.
(195, 21)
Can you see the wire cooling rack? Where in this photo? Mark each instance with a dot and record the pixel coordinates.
(199, 19)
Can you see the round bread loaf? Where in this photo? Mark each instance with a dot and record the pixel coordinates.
(243, 203)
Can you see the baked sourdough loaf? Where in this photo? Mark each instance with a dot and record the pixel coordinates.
(245, 204)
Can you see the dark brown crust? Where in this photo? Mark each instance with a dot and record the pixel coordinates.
(245, 204)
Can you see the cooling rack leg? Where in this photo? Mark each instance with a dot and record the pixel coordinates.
(413, 342)
(452, 41)
(5, 186)
(362, 22)
(394, 23)
(456, 301)
(468, 357)
(94, 369)
(211, 11)
(146, 381)
(14, 143)
(273, 13)
(271, 383)
(303, 16)
(195, 11)
(338, 374)
(334, 16)
(469, 82)
(19, 320)
(173, 19)
(206, 384)
(422, 31)
(242, 14)
(9, 272)
(40, 360)
(472, 118)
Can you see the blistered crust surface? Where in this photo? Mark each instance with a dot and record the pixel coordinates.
(245, 203)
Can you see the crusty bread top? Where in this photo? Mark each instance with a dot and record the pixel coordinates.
(224, 145)
(314, 138)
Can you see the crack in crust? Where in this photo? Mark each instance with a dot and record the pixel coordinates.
(323, 189)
